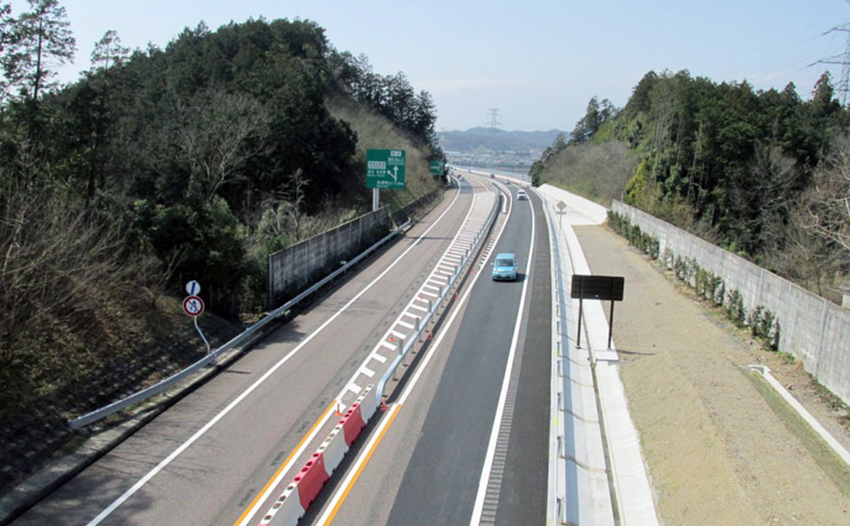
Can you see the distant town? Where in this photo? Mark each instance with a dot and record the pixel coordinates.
(519, 162)
(513, 151)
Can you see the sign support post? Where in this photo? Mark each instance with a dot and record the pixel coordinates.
(193, 305)
(597, 288)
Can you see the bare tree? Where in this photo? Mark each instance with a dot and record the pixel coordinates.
(828, 200)
(218, 137)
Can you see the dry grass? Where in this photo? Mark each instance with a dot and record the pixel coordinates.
(71, 300)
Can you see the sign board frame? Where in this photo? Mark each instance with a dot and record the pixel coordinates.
(437, 168)
(610, 288)
(385, 169)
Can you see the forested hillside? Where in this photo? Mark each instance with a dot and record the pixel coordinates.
(157, 165)
(762, 173)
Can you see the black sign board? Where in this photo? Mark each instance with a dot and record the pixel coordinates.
(609, 288)
(597, 287)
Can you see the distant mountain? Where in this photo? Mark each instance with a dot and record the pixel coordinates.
(495, 140)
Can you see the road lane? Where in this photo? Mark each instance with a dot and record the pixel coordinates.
(427, 467)
(213, 480)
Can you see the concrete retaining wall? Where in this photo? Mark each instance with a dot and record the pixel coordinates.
(812, 329)
(297, 267)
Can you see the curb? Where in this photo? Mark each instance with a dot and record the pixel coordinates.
(803, 412)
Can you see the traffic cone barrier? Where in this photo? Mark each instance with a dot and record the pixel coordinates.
(392, 339)
(384, 403)
(430, 335)
(457, 296)
(338, 409)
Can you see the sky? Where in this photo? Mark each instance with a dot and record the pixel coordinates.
(537, 62)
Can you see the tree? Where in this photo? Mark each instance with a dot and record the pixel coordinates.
(6, 56)
(42, 39)
(220, 132)
(596, 115)
(107, 54)
(828, 200)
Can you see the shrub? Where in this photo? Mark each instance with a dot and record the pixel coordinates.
(735, 308)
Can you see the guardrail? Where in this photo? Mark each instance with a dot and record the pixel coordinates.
(242, 338)
(420, 328)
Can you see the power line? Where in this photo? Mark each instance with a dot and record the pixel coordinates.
(842, 59)
(495, 118)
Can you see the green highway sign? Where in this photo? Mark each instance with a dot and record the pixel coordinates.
(385, 169)
(437, 167)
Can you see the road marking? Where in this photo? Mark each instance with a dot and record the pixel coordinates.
(339, 497)
(198, 434)
(483, 483)
(353, 475)
(285, 467)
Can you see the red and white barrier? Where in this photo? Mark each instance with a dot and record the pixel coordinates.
(305, 487)
(287, 509)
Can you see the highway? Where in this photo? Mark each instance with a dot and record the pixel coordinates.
(464, 439)
(467, 443)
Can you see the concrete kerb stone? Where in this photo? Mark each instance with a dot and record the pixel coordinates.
(803, 412)
(578, 497)
(632, 492)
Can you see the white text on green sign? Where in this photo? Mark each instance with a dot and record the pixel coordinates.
(385, 169)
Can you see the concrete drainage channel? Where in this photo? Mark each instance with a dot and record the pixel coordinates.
(596, 465)
(360, 398)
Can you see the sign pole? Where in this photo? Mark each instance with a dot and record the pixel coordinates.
(611, 317)
(193, 305)
(376, 199)
(204, 337)
(580, 305)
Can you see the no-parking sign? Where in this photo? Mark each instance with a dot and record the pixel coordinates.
(193, 305)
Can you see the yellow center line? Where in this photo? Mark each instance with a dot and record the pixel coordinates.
(285, 462)
(353, 481)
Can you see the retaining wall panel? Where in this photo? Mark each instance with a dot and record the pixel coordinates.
(834, 364)
(811, 328)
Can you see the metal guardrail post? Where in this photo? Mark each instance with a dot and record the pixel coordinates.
(243, 337)
(432, 307)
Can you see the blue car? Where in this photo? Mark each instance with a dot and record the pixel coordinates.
(504, 267)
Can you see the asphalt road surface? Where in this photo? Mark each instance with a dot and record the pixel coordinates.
(468, 441)
(206, 459)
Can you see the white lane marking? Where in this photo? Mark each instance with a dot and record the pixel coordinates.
(378, 357)
(351, 387)
(494, 434)
(333, 504)
(185, 445)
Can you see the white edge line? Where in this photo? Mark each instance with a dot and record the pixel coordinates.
(334, 501)
(478, 507)
(198, 434)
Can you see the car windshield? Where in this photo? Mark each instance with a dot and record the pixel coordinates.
(504, 262)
